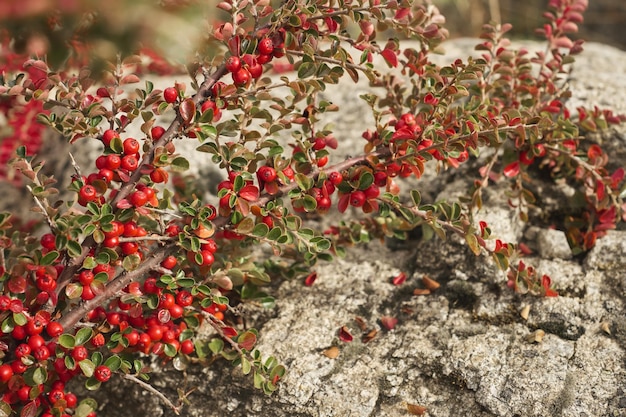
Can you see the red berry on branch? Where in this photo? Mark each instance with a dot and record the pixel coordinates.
(266, 174)
(87, 193)
(170, 95)
(102, 373)
(357, 198)
(266, 46)
(131, 146)
(233, 64)
(241, 77)
(130, 162)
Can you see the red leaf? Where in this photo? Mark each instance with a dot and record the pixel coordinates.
(344, 202)
(229, 332)
(124, 204)
(390, 57)
(247, 340)
(512, 169)
(399, 279)
(310, 279)
(249, 193)
(187, 110)
(344, 335)
(388, 322)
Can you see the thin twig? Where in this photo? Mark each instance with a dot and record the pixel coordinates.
(154, 391)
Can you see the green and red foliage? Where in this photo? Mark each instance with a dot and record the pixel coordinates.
(125, 268)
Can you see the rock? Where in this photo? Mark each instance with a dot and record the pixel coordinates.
(463, 350)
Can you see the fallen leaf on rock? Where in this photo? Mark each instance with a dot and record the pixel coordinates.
(421, 291)
(345, 335)
(430, 283)
(388, 322)
(369, 336)
(416, 410)
(399, 279)
(332, 352)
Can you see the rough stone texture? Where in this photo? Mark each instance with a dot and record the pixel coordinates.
(464, 350)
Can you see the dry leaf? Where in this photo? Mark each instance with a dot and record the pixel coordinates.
(332, 352)
(369, 336)
(421, 291)
(416, 410)
(430, 283)
(524, 313)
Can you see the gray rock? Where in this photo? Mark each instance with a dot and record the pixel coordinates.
(464, 350)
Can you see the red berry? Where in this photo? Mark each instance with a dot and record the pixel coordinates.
(169, 262)
(176, 311)
(266, 173)
(86, 277)
(131, 146)
(372, 192)
(130, 162)
(98, 340)
(129, 248)
(41, 353)
(138, 198)
(87, 293)
(36, 341)
(184, 298)
(87, 193)
(101, 161)
(155, 333)
(6, 372)
(166, 300)
(233, 64)
(105, 175)
(108, 136)
(46, 283)
(357, 198)
(209, 104)
(48, 241)
(71, 400)
(159, 175)
(187, 347)
(266, 46)
(170, 94)
(22, 350)
(113, 162)
(241, 77)
(102, 373)
(54, 329)
(79, 353)
(156, 132)
(111, 242)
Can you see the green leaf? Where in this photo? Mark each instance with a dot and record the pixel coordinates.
(365, 180)
(35, 376)
(180, 164)
(472, 242)
(114, 362)
(67, 341)
(246, 366)
(216, 345)
(20, 319)
(73, 249)
(274, 234)
(306, 69)
(85, 407)
(416, 197)
(170, 350)
(260, 230)
(92, 384)
(49, 258)
(87, 367)
(83, 336)
(258, 380)
(304, 182)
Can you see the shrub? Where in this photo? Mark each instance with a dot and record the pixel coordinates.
(136, 262)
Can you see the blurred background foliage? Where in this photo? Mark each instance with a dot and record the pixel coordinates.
(96, 31)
